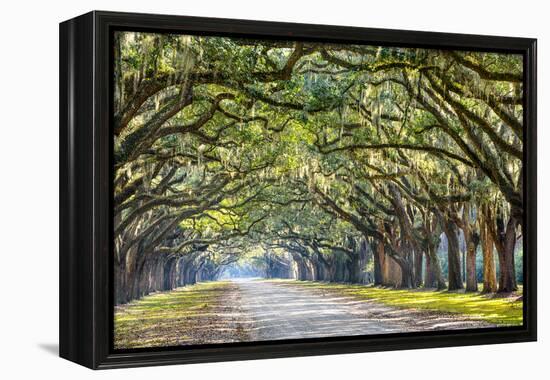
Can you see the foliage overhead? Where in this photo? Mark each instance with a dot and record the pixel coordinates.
(224, 144)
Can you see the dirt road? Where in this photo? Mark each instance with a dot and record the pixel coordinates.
(276, 310)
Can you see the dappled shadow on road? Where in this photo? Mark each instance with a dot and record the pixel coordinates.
(285, 312)
(244, 311)
(206, 313)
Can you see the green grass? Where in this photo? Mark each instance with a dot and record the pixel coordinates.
(168, 318)
(503, 311)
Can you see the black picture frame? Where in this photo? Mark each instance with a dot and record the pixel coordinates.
(85, 190)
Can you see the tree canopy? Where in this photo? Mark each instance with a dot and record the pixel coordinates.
(333, 162)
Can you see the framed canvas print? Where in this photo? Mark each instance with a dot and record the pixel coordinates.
(238, 189)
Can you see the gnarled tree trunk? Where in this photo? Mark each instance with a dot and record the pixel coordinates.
(453, 254)
(505, 243)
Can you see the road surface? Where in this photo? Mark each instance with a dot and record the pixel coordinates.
(260, 310)
(275, 310)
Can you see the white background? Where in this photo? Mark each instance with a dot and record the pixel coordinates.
(29, 187)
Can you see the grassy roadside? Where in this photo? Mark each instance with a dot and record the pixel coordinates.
(183, 316)
(497, 310)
